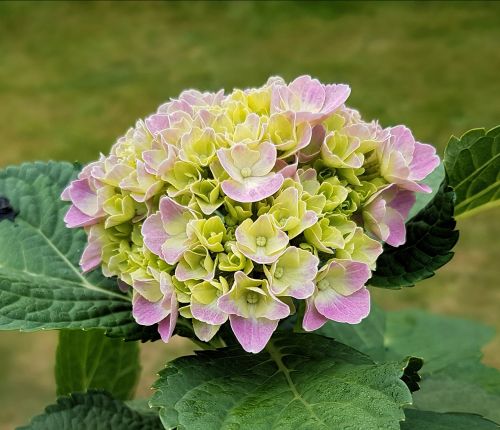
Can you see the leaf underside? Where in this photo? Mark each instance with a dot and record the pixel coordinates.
(94, 410)
(89, 359)
(472, 165)
(41, 286)
(301, 381)
(430, 237)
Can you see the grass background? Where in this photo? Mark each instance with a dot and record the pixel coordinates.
(74, 76)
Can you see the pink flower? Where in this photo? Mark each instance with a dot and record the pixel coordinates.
(92, 254)
(165, 231)
(87, 196)
(163, 311)
(250, 171)
(385, 213)
(404, 162)
(254, 312)
(309, 99)
(340, 295)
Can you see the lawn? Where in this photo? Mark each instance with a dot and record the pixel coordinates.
(74, 76)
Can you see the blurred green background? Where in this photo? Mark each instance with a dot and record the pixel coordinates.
(74, 76)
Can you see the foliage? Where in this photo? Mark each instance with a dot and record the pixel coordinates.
(448, 384)
(299, 381)
(89, 359)
(94, 410)
(430, 236)
(41, 286)
(298, 377)
(472, 164)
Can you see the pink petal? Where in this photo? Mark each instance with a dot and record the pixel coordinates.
(424, 161)
(313, 320)
(227, 162)
(76, 218)
(203, 331)
(65, 194)
(396, 224)
(170, 211)
(285, 169)
(301, 291)
(166, 327)
(311, 151)
(172, 249)
(210, 314)
(311, 92)
(154, 233)
(336, 96)
(148, 313)
(157, 122)
(346, 309)
(276, 310)
(252, 189)
(83, 197)
(252, 333)
(91, 256)
(266, 161)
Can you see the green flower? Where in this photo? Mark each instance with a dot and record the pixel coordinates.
(261, 240)
(291, 213)
(324, 237)
(340, 151)
(335, 193)
(207, 195)
(360, 247)
(233, 260)
(209, 232)
(197, 146)
(293, 274)
(181, 176)
(196, 263)
(236, 210)
(120, 209)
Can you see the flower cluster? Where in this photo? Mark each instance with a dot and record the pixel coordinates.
(240, 207)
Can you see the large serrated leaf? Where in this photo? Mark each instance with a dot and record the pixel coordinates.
(41, 286)
(89, 359)
(430, 237)
(453, 377)
(472, 165)
(427, 420)
(301, 381)
(94, 410)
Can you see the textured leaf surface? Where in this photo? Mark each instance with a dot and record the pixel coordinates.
(299, 381)
(41, 286)
(453, 377)
(473, 167)
(427, 420)
(89, 359)
(430, 236)
(94, 410)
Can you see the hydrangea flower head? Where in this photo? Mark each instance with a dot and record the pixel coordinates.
(239, 208)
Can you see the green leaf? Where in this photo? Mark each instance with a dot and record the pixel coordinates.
(89, 359)
(472, 165)
(430, 236)
(453, 377)
(41, 286)
(427, 420)
(434, 181)
(301, 381)
(94, 410)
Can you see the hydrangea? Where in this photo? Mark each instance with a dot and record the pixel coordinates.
(240, 208)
